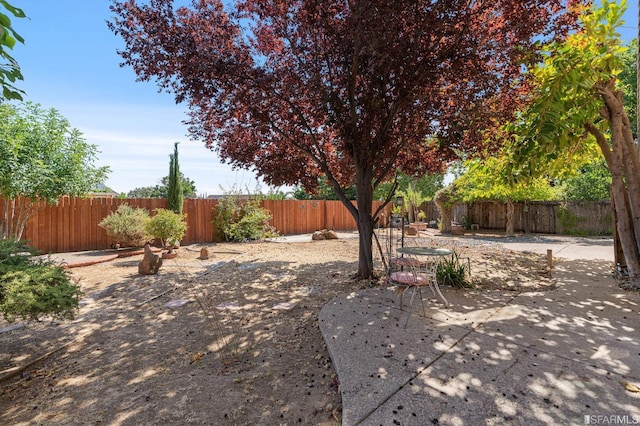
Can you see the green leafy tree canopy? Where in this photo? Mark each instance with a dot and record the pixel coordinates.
(41, 158)
(483, 181)
(9, 68)
(162, 190)
(591, 183)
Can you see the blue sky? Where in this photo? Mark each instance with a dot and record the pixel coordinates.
(69, 63)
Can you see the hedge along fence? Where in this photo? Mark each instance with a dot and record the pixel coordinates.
(568, 217)
(72, 224)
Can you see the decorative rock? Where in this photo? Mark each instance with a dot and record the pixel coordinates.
(284, 306)
(170, 254)
(325, 234)
(330, 235)
(151, 263)
(176, 303)
(204, 253)
(317, 236)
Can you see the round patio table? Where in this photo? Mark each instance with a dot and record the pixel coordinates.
(424, 251)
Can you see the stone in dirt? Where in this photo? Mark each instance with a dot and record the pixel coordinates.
(170, 254)
(176, 303)
(151, 263)
(325, 234)
(204, 253)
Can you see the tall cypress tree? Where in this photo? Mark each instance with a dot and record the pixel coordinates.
(174, 189)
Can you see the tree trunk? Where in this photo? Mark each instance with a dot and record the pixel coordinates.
(446, 213)
(444, 205)
(625, 230)
(625, 154)
(509, 214)
(364, 220)
(411, 210)
(624, 223)
(623, 162)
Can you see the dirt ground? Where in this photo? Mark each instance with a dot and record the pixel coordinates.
(229, 340)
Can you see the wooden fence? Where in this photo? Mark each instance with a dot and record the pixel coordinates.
(570, 217)
(72, 224)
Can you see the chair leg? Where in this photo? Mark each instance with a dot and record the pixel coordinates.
(401, 290)
(435, 284)
(432, 290)
(410, 311)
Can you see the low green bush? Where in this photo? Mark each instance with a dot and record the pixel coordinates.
(167, 226)
(127, 226)
(242, 220)
(31, 287)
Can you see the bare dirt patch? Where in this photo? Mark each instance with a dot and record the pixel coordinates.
(230, 340)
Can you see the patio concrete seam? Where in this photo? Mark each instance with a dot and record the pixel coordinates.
(443, 353)
(538, 349)
(469, 330)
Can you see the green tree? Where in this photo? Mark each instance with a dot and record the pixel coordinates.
(143, 192)
(414, 190)
(41, 158)
(350, 90)
(629, 83)
(9, 68)
(174, 186)
(578, 102)
(162, 190)
(324, 191)
(591, 183)
(188, 187)
(278, 194)
(486, 180)
(426, 185)
(299, 193)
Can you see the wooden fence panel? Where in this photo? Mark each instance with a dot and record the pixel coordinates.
(542, 218)
(72, 225)
(278, 215)
(547, 217)
(338, 217)
(199, 226)
(71, 213)
(296, 216)
(189, 210)
(593, 218)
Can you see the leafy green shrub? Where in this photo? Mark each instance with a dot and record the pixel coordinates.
(127, 226)
(465, 222)
(242, 220)
(31, 287)
(570, 222)
(167, 226)
(451, 271)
